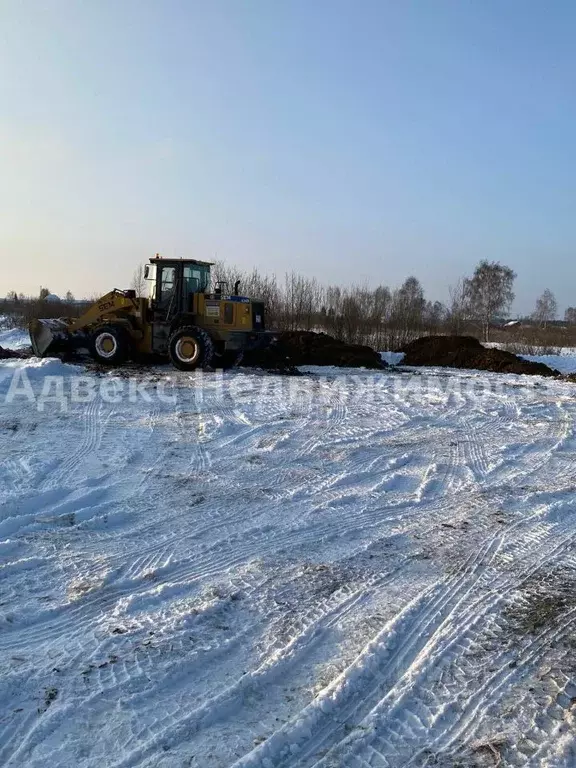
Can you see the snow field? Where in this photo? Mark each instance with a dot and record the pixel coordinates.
(348, 569)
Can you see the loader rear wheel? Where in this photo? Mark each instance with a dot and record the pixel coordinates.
(110, 345)
(190, 348)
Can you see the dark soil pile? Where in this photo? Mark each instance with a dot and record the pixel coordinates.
(467, 352)
(294, 348)
(8, 354)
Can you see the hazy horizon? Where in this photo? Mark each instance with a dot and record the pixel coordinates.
(356, 143)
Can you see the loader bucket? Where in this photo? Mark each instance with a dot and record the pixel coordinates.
(48, 336)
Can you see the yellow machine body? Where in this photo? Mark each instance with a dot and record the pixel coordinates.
(180, 298)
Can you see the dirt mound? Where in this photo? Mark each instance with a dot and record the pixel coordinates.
(9, 354)
(294, 348)
(433, 346)
(467, 352)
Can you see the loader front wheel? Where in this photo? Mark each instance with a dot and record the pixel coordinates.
(190, 348)
(110, 345)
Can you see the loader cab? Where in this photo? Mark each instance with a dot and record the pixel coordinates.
(173, 283)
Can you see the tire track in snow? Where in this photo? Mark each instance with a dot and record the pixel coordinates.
(307, 525)
(92, 428)
(246, 546)
(375, 671)
(273, 666)
(411, 734)
(318, 727)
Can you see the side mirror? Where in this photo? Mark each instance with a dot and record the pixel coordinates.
(146, 271)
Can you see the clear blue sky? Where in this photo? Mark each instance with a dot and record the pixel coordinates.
(359, 141)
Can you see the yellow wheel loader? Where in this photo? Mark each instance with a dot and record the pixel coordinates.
(181, 319)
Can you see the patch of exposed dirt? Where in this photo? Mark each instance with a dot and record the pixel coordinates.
(467, 352)
(12, 354)
(294, 348)
(543, 604)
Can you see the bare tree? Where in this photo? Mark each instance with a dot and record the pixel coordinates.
(407, 311)
(380, 318)
(139, 281)
(333, 321)
(265, 288)
(546, 308)
(570, 316)
(489, 292)
(69, 297)
(410, 303)
(43, 293)
(302, 302)
(435, 316)
(457, 309)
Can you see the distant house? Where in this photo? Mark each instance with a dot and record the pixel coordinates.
(52, 298)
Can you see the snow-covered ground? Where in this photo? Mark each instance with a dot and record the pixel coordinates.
(347, 568)
(393, 358)
(14, 338)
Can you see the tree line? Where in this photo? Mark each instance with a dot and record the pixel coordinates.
(16, 298)
(387, 317)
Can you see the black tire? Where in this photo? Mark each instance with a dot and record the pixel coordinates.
(189, 348)
(110, 345)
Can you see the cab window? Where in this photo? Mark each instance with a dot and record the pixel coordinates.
(151, 280)
(195, 279)
(167, 284)
(191, 280)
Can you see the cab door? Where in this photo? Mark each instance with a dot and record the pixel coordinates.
(165, 301)
(165, 305)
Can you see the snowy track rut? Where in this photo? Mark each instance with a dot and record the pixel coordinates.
(351, 569)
